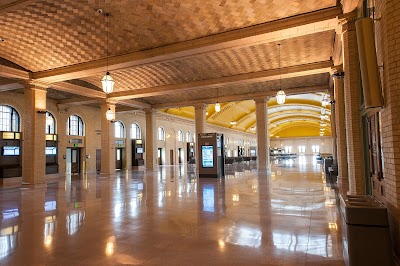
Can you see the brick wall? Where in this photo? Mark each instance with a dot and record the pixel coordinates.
(387, 31)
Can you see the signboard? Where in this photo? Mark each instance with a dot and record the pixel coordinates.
(138, 141)
(8, 135)
(74, 141)
(207, 156)
(51, 137)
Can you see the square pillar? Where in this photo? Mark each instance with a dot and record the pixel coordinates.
(352, 108)
(200, 124)
(262, 135)
(340, 129)
(34, 136)
(107, 140)
(151, 140)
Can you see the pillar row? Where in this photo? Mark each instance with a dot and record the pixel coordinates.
(34, 136)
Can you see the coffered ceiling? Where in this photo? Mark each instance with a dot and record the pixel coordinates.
(171, 53)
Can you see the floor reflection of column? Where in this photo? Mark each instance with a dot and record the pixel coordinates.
(263, 187)
(31, 236)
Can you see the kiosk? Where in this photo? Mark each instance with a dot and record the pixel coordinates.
(211, 150)
(137, 152)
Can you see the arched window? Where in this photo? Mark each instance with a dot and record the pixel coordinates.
(50, 124)
(188, 136)
(9, 119)
(180, 136)
(75, 126)
(119, 129)
(161, 134)
(135, 131)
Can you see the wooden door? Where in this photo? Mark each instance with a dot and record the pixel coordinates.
(118, 159)
(171, 156)
(75, 160)
(98, 160)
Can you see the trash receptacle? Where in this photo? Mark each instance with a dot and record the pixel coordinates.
(327, 163)
(366, 237)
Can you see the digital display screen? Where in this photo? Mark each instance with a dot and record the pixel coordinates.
(139, 150)
(10, 151)
(207, 156)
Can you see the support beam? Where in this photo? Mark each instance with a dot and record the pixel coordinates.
(18, 4)
(135, 104)
(261, 76)
(78, 90)
(299, 25)
(62, 104)
(242, 97)
(9, 84)
(13, 73)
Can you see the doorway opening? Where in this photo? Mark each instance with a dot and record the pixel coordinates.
(118, 159)
(73, 161)
(159, 156)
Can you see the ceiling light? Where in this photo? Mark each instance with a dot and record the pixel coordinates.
(217, 107)
(325, 100)
(233, 123)
(110, 115)
(107, 82)
(2, 40)
(280, 96)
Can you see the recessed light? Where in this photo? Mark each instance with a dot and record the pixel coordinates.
(2, 40)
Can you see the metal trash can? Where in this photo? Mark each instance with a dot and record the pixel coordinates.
(366, 237)
(327, 163)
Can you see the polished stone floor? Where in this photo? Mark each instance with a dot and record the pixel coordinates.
(170, 217)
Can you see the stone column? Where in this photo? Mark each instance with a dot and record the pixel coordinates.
(340, 129)
(107, 140)
(200, 124)
(333, 130)
(262, 135)
(34, 136)
(352, 108)
(128, 148)
(151, 140)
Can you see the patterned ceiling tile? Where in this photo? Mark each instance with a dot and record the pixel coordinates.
(295, 51)
(47, 34)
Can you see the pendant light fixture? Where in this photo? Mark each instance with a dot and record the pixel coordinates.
(110, 115)
(280, 96)
(217, 105)
(107, 82)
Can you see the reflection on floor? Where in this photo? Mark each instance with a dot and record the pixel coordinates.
(170, 217)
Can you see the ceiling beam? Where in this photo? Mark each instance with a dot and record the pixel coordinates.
(134, 104)
(62, 104)
(13, 73)
(78, 90)
(299, 25)
(124, 109)
(14, 5)
(260, 76)
(239, 97)
(9, 84)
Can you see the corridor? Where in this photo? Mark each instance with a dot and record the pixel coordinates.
(168, 217)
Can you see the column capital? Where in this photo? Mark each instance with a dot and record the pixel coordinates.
(261, 100)
(34, 84)
(200, 105)
(149, 111)
(347, 21)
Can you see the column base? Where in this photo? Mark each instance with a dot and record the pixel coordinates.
(343, 184)
(33, 185)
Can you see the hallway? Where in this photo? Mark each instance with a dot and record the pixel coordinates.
(170, 218)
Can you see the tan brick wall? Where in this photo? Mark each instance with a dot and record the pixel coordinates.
(388, 47)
